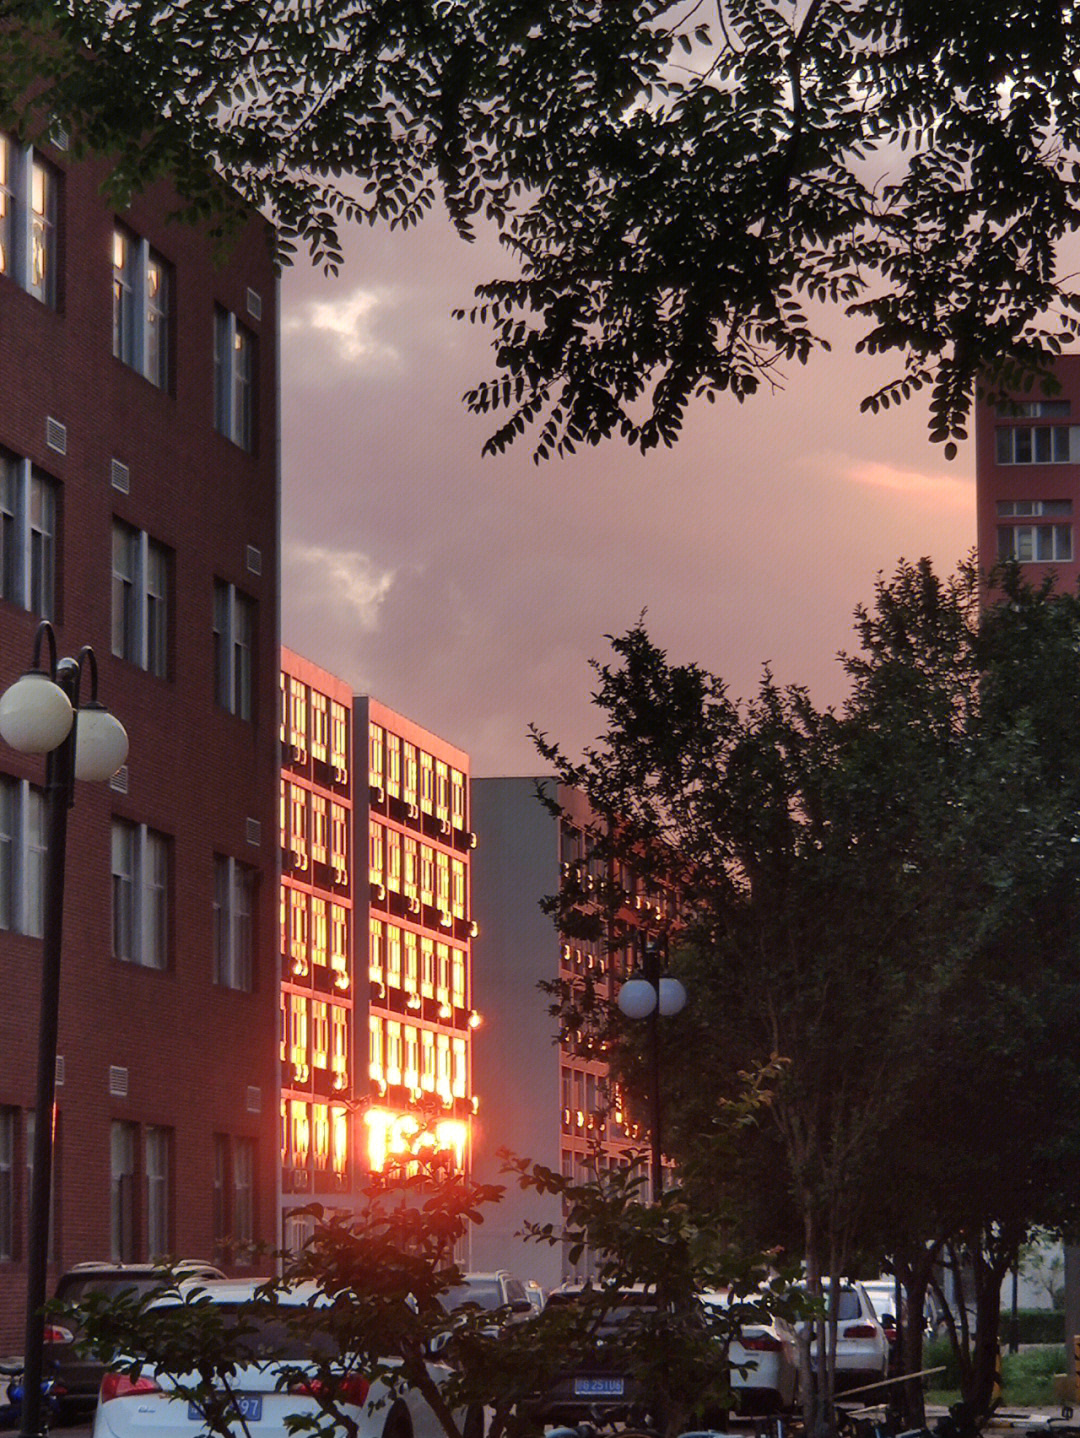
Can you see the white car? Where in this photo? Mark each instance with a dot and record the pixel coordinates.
(765, 1361)
(148, 1407)
(862, 1350)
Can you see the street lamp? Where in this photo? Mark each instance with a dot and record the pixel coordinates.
(41, 714)
(652, 996)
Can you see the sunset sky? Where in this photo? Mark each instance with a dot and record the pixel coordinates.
(469, 593)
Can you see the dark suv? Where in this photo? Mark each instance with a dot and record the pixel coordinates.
(78, 1377)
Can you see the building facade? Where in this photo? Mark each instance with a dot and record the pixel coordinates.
(376, 941)
(318, 982)
(545, 1096)
(139, 516)
(413, 827)
(1027, 465)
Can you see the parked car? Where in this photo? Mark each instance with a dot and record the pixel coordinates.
(600, 1388)
(882, 1294)
(269, 1381)
(489, 1291)
(862, 1350)
(77, 1377)
(764, 1361)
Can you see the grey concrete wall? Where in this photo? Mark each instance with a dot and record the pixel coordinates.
(515, 1054)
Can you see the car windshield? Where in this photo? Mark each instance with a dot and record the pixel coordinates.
(485, 1294)
(75, 1290)
(848, 1305)
(254, 1333)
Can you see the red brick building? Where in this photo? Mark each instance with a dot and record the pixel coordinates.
(1027, 466)
(139, 514)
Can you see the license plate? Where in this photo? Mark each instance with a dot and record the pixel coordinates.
(598, 1387)
(247, 1406)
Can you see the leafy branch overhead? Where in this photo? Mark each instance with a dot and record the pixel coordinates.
(680, 187)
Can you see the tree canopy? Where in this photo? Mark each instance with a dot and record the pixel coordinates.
(679, 187)
(884, 898)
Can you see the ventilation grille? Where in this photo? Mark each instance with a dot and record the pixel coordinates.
(119, 781)
(120, 477)
(118, 1082)
(254, 304)
(59, 136)
(56, 435)
(254, 560)
(254, 1099)
(59, 1070)
(254, 832)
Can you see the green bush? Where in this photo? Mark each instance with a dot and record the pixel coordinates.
(1027, 1379)
(1035, 1325)
(935, 1352)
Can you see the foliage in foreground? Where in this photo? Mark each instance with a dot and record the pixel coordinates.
(375, 1280)
(886, 896)
(678, 189)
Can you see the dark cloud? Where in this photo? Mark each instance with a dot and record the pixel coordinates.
(470, 592)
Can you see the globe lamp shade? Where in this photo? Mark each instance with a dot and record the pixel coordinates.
(35, 714)
(637, 998)
(672, 997)
(101, 744)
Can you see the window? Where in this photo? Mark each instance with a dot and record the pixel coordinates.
(1036, 444)
(221, 1195)
(29, 501)
(234, 374)
(140, 608)
(1042, 543)
(142, 286)
(1035, 409)
(157, 1142)
(234, 642)
(140, 888)
(320, 726)
(243, 1198)
(122, 1193)
(234, 915)
(339, 945)
(28, 206)
(8, 1121)
(234, 1198)
(1009, 507)
(22, 857)
(393, 957)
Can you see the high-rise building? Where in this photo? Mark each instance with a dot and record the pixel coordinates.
(318, 984)
(1027, 465)
(545, 1095)
(139, 516)
(376, 935)
(413, 828)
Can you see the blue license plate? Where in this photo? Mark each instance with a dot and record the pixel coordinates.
(247, 1406)
(598, 1387)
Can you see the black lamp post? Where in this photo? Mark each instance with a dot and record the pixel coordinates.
(651, 995)
(40, 714)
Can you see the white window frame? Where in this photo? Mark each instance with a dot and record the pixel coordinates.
(234, 921)
(1013, 538)
(1017, 444)
(29, 507)
(141, 894)
(140, 599)
(22, 857)
(234, 649)
(245, 1160)
(142, 286)
(29, 187)
(234, 379)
